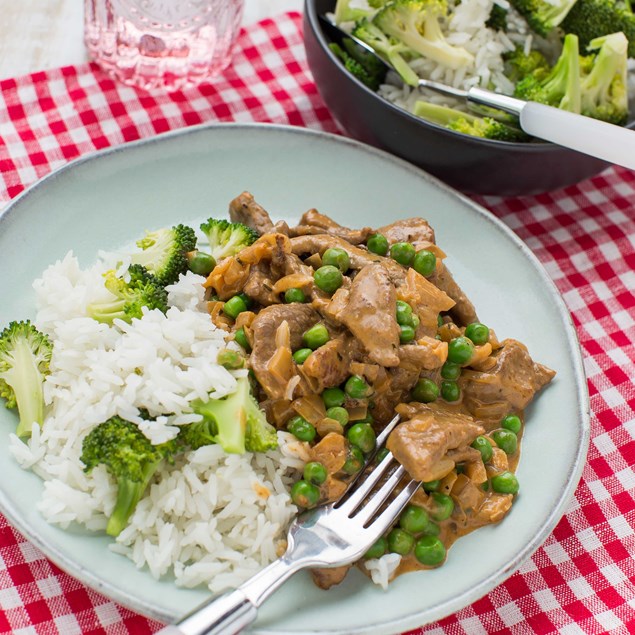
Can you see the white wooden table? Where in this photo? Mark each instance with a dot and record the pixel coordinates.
(39, 34)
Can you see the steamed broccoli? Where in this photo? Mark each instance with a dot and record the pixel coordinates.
(25, 355)
(350, 11)
(357, 69)
(130, 458)
(235, 422)
(604, 92)
(227, 239)
(142, 290)
(387, 47)
(560, 87)
(164, 252)
(541, 15)
(519, 65)
(416, 24)
(497, 18)
(590, 19)
(484, 127)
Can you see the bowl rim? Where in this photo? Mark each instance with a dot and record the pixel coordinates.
(533, 146)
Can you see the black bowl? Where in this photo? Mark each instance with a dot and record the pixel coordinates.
(473, 165)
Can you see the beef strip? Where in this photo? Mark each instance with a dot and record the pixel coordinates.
(512, 382)
(244, 209)
(312, 222)
(463, 311)
(370, 314)
(329, 364)
(410, 230)
(259, 284)
(299, 317)
(422, 444)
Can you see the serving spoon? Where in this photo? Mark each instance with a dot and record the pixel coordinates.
(596, 138)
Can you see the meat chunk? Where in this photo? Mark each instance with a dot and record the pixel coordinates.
(264, 328)
(370, 314)
(422, 444)
(312, 222)
(463, 311)
(512, 381)
(410, 230)
(244, 209)
(328, 365)
(326, 578)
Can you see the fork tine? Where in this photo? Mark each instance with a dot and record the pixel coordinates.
(377, 498)
(352, 502)
(383, 435)
(387, 517)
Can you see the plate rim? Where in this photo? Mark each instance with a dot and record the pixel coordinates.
(410, 620)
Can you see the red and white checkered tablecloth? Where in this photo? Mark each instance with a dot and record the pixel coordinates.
(582, 580)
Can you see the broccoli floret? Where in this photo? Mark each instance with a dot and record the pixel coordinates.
(351, 11)
(235, 422)
(387, 47)
(25, 356)
(590, 19)
(604, 91)
(142, 290)
(130, 458)
(483, 127)
(497, 18)
(541, 15)
(227, 239)
(561, 86)
(355, 68)
(164, 252)
(416, 24)
(518, 65)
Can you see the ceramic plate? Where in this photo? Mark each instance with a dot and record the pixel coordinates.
(107, 199)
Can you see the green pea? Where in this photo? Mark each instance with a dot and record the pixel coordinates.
(338, 413)
(354, 460)
(363, 436)
(294, 295)
(337, 257)
(430, 551)
(400, 541)
(246, 299)
(505, 483)
(424, 262)
(315, 473)
(450, 390)
(439, 320)
(241, 338)
(484, 447)
(305, 494)
(404, 313)
(460, 350)
(300, 428)
(425, 391)
(431, 529)
(234, 306)
(328, 278)
(443, 506)
(512, 423)
(450, 371)
(403, 253)
(356, 387)
(377, 244)
(378, 549)
(506, 440)
(301, 355)
(406, 333)
(382, 454)
(477, 332)
(431, 486)
(316, 336)
(413, 519)
(231, 360)
(200, 263)
(333, 397)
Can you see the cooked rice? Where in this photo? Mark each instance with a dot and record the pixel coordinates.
(211, 518)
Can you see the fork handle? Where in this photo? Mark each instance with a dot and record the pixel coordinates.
(231, 612)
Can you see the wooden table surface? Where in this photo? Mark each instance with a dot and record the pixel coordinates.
(40, 34)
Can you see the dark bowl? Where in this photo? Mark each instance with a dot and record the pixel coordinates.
(473, 165)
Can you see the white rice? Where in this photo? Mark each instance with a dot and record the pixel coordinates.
(211, 518)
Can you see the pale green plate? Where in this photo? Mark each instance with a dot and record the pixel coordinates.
(108, 199)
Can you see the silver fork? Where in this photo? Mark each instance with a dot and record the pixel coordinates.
(330, 535)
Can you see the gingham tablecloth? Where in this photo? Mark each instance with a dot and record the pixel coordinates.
(582, 580)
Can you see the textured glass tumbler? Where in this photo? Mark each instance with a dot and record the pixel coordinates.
(163, 44)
